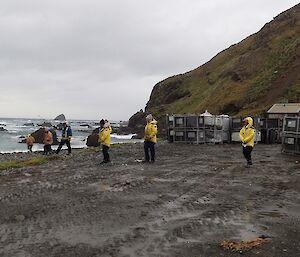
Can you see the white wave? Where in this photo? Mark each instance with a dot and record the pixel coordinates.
(125, 137)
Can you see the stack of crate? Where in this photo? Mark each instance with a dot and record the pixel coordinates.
(198, 128)
(291, 135)
(271, 130)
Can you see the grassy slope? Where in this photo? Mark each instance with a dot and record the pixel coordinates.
(246, 78)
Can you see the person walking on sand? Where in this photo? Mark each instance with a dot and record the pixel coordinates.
(48, 141)
(247, 136)
(66, 138)
(150, 138)
(104, 139)
(29, 141)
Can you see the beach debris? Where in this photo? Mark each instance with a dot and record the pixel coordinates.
(237, 246)
(19, 217)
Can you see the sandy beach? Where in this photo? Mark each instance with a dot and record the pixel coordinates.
(184, 205)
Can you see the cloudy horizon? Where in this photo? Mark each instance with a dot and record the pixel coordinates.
(95, 58)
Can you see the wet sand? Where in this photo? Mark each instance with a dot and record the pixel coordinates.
(184, 205)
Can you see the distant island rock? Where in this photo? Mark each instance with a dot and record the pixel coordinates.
(45, 124)
(29, 124)
(60, 117)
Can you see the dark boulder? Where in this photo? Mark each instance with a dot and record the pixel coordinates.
(136, 125)
(2, 129)
(39, 136)
(92, 139)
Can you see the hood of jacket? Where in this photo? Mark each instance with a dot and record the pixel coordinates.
(154, 122)
(250, 122)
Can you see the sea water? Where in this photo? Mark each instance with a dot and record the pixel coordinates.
(17, 129)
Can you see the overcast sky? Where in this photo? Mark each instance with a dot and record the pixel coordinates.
(91, 59)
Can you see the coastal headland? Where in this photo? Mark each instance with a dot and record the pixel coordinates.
(185, 204)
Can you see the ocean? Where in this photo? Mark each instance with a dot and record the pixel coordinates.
(15, 129)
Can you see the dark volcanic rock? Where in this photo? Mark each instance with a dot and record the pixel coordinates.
(137, 123)
(45, 124)
(60, 117)
(92, 139)
(39, 135)
(29, 124)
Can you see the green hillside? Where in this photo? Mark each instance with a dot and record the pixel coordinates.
(245, 79)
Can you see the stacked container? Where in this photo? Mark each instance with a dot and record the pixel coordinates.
(271, 130)
(291, 135)
(192, 128)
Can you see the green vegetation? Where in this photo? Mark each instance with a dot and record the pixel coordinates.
(25, 163)
(247, 78)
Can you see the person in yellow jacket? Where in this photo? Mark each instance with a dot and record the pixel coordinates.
(104, 140)
(150, 138)
(247, 136)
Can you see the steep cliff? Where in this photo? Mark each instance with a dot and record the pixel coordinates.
(245, 79)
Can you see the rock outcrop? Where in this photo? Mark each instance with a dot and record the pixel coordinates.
(45, 124)
(39, 136)
(92, 139)
(245, 79)
(60, 117)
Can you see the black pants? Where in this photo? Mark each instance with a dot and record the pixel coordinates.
(47, 149)
(247, 153)
(149, 146)
(105, 149)
(29, 147)
(62, 142)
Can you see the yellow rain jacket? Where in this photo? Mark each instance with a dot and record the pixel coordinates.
(247, 134)
(104, 136)
(151, 131)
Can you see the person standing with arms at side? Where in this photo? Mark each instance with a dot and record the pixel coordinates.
(29, 141)
(48, 141)
(104, 140)
(247, 136)
(150, 138)
(66, 138)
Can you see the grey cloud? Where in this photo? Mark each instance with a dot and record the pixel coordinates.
(69, 54)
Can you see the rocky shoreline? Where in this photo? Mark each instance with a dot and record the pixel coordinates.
(185, 204)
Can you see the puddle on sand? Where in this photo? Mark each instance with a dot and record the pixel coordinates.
(98, 187)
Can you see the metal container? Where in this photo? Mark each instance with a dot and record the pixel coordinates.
(179, 122)
(170, 121)
(222, 122)
(289, 143)
(291, 124)
(191, 121)
(191, 136)
(179, 136)
(236, 124)
(201, 136)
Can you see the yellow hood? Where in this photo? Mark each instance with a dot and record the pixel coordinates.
(154, 122)
(250, 122)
